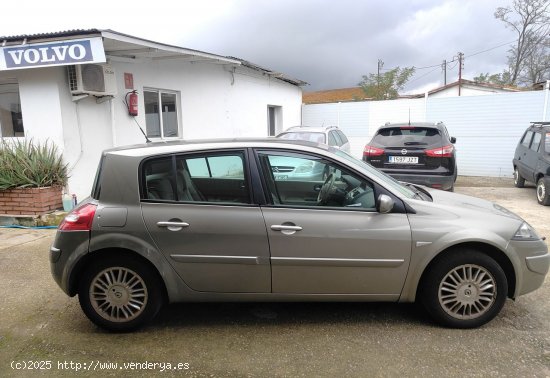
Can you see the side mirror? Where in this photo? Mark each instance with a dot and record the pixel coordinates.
(385, 204)
(453, 140)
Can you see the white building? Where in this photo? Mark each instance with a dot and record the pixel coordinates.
(73, 89)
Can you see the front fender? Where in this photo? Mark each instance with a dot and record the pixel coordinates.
(423, 253)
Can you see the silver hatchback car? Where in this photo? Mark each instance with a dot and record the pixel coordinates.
(211, 221)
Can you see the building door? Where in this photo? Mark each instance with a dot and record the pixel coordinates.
(274, 116)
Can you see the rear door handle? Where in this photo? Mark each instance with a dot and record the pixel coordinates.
(286, 229)
(173, 226)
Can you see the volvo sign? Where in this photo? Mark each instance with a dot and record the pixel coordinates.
(59, 53)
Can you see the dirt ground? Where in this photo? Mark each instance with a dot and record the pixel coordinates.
(43, 329)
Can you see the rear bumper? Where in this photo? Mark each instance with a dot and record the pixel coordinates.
(431, 181)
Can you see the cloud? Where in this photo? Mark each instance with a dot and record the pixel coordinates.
(329, 44)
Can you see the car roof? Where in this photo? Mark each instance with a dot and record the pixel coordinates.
(180, 145)
(311, 129)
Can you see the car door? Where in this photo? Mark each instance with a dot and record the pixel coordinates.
(532, 157)
(522, 151)
(216, 240)
(338, 244)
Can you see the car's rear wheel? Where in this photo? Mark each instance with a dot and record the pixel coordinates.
(464, 290)
(543, 197)
(519, 181)
(120, 293)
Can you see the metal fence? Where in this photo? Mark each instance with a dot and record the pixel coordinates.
(487, 127)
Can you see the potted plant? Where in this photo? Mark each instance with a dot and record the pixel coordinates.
(32, 177)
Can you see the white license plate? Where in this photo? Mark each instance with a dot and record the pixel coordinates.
(403, 159)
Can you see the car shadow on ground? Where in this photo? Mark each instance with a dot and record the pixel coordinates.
(283, 313)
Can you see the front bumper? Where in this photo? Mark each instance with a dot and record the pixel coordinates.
(534, 263)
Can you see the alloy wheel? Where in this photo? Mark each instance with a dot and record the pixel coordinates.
(541, 191)
(467, 292)
(118, 294)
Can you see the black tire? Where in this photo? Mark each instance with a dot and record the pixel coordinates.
(114, 307)
(543, 197)
(476, 299)
(519, 181)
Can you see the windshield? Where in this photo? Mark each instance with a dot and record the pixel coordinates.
(309, 136)
(388, 181)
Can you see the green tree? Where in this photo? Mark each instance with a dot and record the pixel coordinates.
(386, 86)
(499, 79)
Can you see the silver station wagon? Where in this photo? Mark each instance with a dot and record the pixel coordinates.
(212, 221)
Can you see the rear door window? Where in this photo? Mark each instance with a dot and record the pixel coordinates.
(200, 178)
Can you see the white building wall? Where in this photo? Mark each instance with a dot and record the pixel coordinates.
(487, 128)
(41, 109)
(213, 103)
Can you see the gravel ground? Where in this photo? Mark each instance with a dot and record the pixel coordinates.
(43, 326)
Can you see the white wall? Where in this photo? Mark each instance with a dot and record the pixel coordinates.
(213, 103)
(487, 128)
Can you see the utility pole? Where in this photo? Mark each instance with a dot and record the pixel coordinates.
(380, 64)
(460, 66)
(444, 68)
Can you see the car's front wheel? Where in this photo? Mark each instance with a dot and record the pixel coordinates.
(543, 197)
(465, 289)
(519, 181)
(120, 293)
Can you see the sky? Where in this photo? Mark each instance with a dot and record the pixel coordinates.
(329, 44)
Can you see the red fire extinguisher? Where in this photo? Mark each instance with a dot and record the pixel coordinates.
(132, 103)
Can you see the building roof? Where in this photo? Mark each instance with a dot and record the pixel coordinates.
(334, 95)
(470, 83)
(124, 46)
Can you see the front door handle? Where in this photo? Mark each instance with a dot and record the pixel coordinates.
(173, 226)
(286, 229)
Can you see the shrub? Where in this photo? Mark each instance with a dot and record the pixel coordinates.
(26, 164)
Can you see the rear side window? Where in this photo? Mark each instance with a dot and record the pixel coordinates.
(408, 136)
(526, 140)
(547, 143)
(332, 139)
(343, 138)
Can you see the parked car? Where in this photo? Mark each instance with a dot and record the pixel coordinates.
(330, 135)
(420, 152)
(209, 221)
(532, 160)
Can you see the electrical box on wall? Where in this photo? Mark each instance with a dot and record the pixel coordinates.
(92, 79)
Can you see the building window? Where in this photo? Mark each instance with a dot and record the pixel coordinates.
(11, 120)
(161, 113)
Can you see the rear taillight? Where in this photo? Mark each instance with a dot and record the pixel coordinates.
(446, 151)
(372, 151)
(80, 219)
